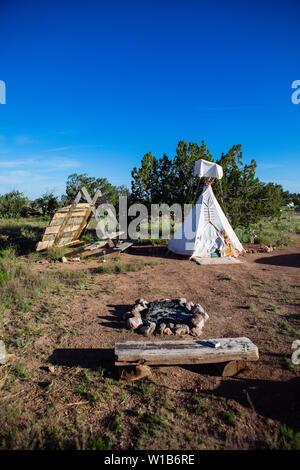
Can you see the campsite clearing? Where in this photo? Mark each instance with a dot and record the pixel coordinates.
(60, 386)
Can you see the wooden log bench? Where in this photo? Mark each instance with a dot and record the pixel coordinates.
(233, 353)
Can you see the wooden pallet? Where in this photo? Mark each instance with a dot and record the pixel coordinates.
(66, 226)
(69, 222)
(184, 352)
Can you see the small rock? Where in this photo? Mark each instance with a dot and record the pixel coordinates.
(161, 328)
(133, 323)
(171, 325)
(148, 329)
(181, 330)
(50, 369)
(136, 310)
(167, 331)
(141, 303)
(196, 331)
(198, 309)
(205, 316)
(197, 320)
(64, 259)
(75, 259)
(189, 305)
(266, 249)
(126, 315)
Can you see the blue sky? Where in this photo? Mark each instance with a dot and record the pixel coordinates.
(91, 86)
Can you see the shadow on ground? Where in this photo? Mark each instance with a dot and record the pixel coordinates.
(21, 237)
(292, 260)
(153, 251)
(87, 358)
(115, 319)
(271, 399)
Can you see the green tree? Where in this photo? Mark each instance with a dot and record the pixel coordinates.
(11, 204)
(243, 198)
(47, 203)
(111, 193)
(167, 181)
(145, 180)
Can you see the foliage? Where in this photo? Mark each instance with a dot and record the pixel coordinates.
(243, 197)
(11, 204)
(272, 232)
(75, 182)
(167, 181)
(47, 204)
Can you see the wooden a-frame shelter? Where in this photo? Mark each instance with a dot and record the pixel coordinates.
(69, 222)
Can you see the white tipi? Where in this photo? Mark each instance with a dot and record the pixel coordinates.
(206, 230)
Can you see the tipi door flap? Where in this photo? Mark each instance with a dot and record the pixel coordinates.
(208, 241)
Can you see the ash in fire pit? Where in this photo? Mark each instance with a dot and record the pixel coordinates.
(166, 316)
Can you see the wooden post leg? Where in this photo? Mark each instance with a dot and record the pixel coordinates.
(231, 368)
(133, 373)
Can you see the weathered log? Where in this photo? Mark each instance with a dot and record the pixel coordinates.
(185, 351)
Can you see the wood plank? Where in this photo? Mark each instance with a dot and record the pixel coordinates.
(44, 244)
(49, 237)
(124, 246)
(96, 252)
(83, 223)
(68, 228)
(184, 352)
(78, 213)
(52, 230)
(79, 207)
(95, 246)
(66, 240)
(74, 220)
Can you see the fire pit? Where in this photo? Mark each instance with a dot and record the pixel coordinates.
(165, 316)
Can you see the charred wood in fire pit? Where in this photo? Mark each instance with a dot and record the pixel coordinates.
(166, 316)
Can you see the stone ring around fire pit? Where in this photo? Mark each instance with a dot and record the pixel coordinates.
(165, 316)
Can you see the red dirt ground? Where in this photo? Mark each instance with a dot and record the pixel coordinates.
(258, 299)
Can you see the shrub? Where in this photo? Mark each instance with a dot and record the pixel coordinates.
(11, 204)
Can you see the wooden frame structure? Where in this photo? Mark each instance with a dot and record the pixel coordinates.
(69, 222)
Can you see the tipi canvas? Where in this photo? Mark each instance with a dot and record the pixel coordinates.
(206, 230)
